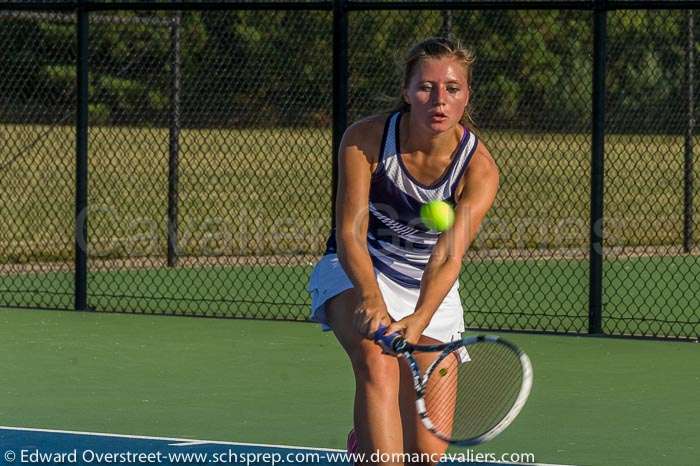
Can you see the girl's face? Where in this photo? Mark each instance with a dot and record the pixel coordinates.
(438, 93)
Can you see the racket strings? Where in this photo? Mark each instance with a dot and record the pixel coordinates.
(467, 399)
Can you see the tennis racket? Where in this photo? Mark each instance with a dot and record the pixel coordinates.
(472, 390)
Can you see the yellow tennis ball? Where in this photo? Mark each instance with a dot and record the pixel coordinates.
(437, 215)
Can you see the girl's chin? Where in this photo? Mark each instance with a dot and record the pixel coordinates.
(440, 124)
(437, 124)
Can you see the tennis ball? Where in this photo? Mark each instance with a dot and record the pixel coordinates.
(442, 372)
(437, 215)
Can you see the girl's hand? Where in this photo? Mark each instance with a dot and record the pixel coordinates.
(410, 327)
(369, 315)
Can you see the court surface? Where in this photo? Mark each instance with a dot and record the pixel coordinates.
(258, 385)
(32, 446)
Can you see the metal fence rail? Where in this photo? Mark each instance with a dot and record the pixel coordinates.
(177, 157)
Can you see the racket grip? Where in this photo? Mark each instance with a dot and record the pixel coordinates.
(393, 342)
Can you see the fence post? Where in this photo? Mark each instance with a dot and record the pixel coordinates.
(446, 28)
(688, 169)
(595, 303)
(81, 162)
(340, 89)
(174, 153)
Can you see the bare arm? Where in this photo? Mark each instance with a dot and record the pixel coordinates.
(357, 153)
(480, 184)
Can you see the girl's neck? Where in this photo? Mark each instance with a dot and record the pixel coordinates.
(415, 139)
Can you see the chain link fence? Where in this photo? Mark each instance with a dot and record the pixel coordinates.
(37, 157)
(651, 271)
(210, 158)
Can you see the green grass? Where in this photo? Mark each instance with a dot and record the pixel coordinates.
(267, 192)
(251, 192)
(241, 192)
(595, 401)
(652, 296)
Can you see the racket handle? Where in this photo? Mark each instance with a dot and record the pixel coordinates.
(393, 343)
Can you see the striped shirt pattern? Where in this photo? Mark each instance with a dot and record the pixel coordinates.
(399, 243)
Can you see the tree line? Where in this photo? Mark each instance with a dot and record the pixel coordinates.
(274, 69)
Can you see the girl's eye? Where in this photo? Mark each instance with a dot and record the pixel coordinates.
(452, 89)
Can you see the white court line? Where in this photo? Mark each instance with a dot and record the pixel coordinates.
(185, 442)
(181, 441)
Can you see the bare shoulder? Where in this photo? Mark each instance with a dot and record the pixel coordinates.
(482, 172)
(372, 126)
(482, 161)
(365, 137)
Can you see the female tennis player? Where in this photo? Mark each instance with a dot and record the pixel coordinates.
(384, 267)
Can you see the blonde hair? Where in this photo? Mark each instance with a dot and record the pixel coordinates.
(438, 47)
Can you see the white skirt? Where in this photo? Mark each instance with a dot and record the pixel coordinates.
(328, 279)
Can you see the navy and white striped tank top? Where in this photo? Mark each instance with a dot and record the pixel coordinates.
(398, 242)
